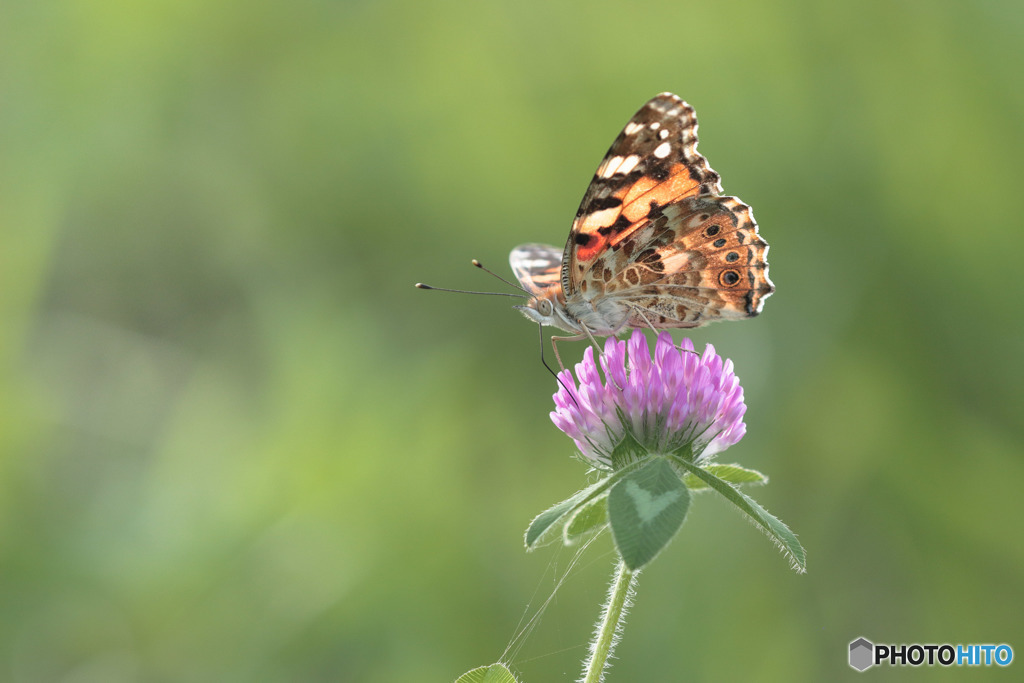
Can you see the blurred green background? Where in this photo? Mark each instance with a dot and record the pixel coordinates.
(238, 445)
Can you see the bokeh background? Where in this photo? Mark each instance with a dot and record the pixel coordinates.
(236, 444)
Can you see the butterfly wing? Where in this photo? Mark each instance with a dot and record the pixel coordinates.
(537, 267)
(653, 233)
(701, 260)
(652, 163)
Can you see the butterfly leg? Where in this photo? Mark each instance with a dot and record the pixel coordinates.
(590, 336)
(540, 328)
(587, 334)
(640, 312)
(554, 346)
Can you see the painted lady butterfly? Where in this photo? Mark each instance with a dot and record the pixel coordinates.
(654, 243)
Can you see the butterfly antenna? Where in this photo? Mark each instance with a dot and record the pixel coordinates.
(526, 294)
(510, 284)
(420, 285)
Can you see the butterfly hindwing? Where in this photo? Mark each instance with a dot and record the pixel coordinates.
(701, 260)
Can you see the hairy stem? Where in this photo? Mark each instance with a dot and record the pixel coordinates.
(610, 627)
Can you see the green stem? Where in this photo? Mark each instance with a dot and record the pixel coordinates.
(614, 611)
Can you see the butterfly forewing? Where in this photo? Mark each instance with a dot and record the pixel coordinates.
(652, 163)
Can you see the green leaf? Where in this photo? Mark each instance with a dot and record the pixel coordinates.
(587, 519)
(776, 530)
(543, 529)
(734, 474)
(495, 673)
(645, 510)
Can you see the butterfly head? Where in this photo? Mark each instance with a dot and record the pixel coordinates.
(545, 309)
(538, 268)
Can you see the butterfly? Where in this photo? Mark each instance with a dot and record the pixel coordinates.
(654, 243)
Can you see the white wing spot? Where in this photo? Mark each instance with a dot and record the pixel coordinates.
(655, 126)
(663, 134)
(629, 163)
(662, 150)
(609, 168)
(632, 128)
(672, 211)
(601, 218)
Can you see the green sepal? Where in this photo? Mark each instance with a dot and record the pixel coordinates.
(645, 510)
(495, 673)
(734, 474)
(771, 525)
(628, 451)
(586, 520)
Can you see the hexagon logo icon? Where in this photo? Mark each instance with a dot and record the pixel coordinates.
(861, 654)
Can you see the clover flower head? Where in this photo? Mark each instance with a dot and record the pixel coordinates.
(671, 401)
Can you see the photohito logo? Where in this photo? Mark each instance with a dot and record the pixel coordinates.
(865, 654)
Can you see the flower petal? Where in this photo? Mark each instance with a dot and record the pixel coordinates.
(669, 400)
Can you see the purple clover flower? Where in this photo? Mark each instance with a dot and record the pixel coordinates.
(674, 400)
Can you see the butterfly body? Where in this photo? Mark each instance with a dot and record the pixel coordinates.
(654, 243)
